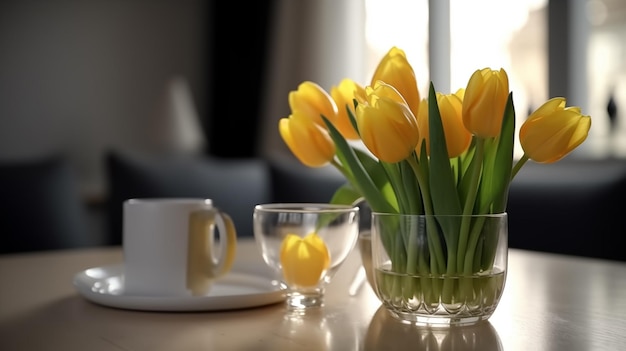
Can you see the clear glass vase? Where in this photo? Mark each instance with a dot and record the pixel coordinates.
(439, 270)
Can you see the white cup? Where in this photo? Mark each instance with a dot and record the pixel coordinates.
(170, 248)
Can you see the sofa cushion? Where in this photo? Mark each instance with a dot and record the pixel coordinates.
(572, 207)
(234, 185)
(41, 207)
(294, 182)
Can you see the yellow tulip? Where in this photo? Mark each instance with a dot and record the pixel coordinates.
(313, 101)
(484, 101)
(304, 260)
(553, 131)
(395, 69)
(343, 95)
(458, 138)
(388, 127)
(422, 125)
(308, 141)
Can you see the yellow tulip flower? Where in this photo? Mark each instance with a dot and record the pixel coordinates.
(313, 101)
(343, 95)
(304, 260)
(458, 139)
(395, 69)
(388, 127)
(422, 125)
(483, 104)
(308, 141)
(553, 131)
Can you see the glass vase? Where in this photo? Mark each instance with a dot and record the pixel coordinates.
(439, 270)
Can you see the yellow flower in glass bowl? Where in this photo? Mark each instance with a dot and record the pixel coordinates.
(305, 244)
(304, 260)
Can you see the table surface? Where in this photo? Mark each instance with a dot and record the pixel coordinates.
(550, 302)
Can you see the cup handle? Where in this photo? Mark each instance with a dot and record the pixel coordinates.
(204, 264)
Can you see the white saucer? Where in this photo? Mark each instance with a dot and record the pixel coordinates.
(236, 290)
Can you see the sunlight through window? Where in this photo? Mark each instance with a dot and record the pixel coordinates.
(483, 33)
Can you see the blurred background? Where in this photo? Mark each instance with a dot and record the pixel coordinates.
(80, 77)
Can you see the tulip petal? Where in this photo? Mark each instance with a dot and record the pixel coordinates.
(344, 95)
(313, 101)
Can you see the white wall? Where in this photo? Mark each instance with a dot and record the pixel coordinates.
(80, 76)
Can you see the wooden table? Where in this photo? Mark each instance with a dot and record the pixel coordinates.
(550, 302)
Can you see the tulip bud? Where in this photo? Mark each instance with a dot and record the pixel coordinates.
(553, 131)
(344, 95)
(308, 141)
(313, 101)
(458, 138)
(484, 101)
(388, 127)
(394, 69)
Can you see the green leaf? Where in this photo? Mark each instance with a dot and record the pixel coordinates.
(345, 195)
(498, 165)
(504, 158)
(411, 188)
(364, 182)
(351, 116)
(373, 168)
(485, 192)
(466, 186)
(443, 191)
(424, 163)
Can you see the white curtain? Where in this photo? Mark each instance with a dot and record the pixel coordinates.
(318, 40)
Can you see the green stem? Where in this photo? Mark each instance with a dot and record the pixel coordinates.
(411, 187)
(519, 165)
(412, 249)
(467, 284)
(471, 248)
(469, 202)
(433, 237)
(392, 172)
(343, 170)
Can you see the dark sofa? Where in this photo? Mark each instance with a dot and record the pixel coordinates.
(235, 185)
(573, 207)
(41, 207)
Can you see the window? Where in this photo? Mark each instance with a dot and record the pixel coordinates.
(483, 33)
